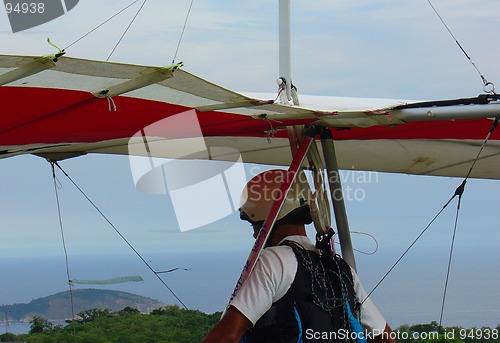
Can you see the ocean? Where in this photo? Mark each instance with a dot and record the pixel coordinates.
(411, 294)
(16, 328)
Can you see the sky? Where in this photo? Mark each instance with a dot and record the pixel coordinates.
(386, 49)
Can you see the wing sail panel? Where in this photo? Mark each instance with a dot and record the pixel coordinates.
(54, 113)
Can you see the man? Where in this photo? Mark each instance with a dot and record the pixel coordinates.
(293, 293)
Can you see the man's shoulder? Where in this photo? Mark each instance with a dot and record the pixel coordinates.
(302, 241)
(277, 253)
(284, 248)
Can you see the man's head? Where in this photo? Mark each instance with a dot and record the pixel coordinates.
(263, 189)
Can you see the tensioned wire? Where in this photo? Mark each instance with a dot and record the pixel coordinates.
(101, 24)
(485, 81)
(64, 247)
(130, 24)
(182, 32)
(126, 30)
(118, 232)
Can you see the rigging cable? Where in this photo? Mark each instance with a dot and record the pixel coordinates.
(98, 26)
(493, 127)
(408, 249)
(488, 86)
(120, 234)
(64, 246)
(126, 30)
(458, 192)
(182, 32)
(450, 258)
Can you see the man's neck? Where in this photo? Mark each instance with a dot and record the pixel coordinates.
(285, 230)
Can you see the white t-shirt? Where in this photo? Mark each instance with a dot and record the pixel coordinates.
(274, 274)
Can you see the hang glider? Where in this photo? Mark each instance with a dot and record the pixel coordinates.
(59, 107)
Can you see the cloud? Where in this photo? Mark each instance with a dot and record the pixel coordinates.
(389, 49)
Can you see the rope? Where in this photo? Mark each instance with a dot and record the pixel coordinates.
(56, 187)
(98, 26)
(322, 279)
(182, 32)
(486, 83)
(361, 251)
(120, 234)
(111, 104)
(280, 89)
(126, 30)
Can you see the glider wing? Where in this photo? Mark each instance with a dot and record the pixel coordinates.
(71, 107)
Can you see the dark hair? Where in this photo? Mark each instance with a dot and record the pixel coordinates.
(299, 216)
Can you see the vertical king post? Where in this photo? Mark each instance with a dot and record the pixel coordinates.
(285, 69)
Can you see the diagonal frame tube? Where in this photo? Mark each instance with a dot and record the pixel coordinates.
(265, 231)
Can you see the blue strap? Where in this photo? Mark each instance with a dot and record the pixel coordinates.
(355, 325)
(299, 323)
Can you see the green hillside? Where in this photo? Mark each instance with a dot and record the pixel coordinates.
(57, 307)
(168, 324)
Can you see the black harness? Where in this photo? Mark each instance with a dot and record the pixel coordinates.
(316, 301)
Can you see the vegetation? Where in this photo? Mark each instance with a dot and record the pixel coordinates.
(175, 325)
(40, 324)
(168, 324)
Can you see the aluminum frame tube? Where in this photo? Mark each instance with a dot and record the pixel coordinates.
(334, 181)
(285, 43)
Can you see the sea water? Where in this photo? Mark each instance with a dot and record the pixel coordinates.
(16, 328)
(411, 294)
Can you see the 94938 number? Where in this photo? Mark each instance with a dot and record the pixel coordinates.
(485, 333)
(25, 7)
